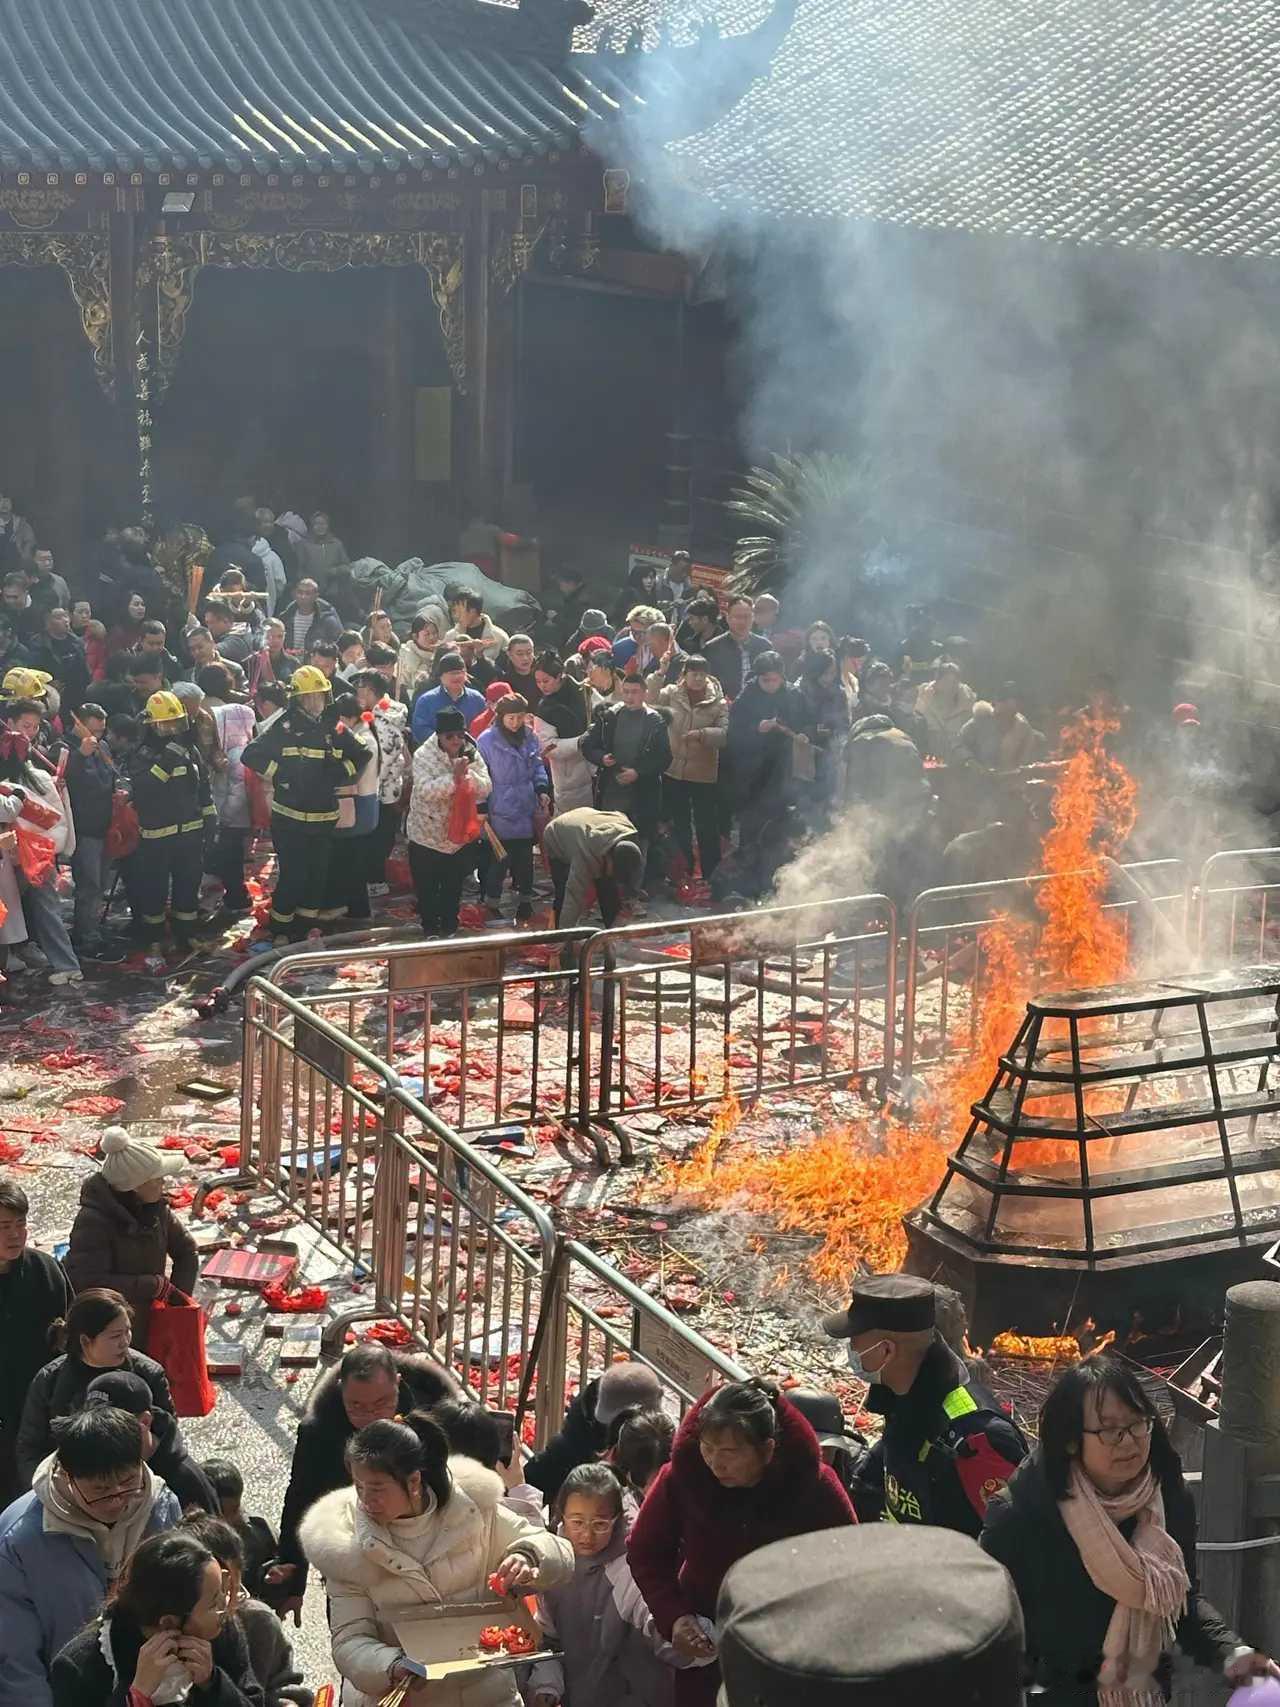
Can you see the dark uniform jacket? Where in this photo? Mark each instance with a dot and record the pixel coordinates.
(1066, 1614)
(947, 1447)
(169, 786)
(306, 760)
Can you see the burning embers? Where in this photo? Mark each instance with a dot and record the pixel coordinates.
(852, 1186)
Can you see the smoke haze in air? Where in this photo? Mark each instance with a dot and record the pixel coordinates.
(1028, 415)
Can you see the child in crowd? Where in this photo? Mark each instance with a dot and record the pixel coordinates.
(270, 1651)
(639, 1445)
(612, 1651)
(256, 1535)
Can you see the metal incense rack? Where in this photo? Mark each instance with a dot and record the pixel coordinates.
(1128, 1148)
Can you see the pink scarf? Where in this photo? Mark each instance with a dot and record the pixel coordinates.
(1146, 1577)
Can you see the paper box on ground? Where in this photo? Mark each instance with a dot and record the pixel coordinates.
(274, 1260)
(224, 1358)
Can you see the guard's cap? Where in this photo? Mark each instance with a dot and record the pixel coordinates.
(450, 721)
(786, 1633)
(898, 1302)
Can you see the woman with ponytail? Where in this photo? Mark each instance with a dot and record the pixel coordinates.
(417, 1532)
(745, 1470)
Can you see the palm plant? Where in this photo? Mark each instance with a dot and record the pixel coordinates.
(812, 521)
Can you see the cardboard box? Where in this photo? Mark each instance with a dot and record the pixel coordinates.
(273, 1260)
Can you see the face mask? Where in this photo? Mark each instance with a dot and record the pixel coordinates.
(858, 1365)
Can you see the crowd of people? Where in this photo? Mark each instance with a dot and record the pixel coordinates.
(688, 746)
(663, 1560)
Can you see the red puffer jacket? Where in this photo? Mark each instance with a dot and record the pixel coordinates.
(690, 1529)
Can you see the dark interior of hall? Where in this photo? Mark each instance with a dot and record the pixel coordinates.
(59, 449)
(300, 389)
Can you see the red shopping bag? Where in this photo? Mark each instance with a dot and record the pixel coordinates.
(464, 821)
(175, 1338)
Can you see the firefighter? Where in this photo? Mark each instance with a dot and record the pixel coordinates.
(948, 1444)
(310, 760)
(169, 786)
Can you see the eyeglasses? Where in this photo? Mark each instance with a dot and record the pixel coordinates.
(122, 1491)
(593, 1526)
(1140, 1430)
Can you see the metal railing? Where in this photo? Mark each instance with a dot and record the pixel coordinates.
(946, 953)
(1237, 917)
(681, 1014)
(483, 1029)
(457, 1253)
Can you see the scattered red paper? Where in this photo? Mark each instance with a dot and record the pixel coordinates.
(230, 1156)
(677, 951)
(181, 1197)
(473, 917)
(94, 1104)
(496, 1583)
(213, 1198)
(64, 1062)
(10, 1152)
(388, 1333)
(173, 1141)
(307, 1299)
(490, 1638)
(518, 1641)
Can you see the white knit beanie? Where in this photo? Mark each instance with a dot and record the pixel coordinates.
(128, 1162)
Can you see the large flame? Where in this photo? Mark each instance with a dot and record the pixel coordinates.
(851, 1186)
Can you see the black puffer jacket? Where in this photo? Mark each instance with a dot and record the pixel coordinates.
(581, 1440)
(319, 1465)
(59, 1389)
(1066, 1616)
(33, 1295)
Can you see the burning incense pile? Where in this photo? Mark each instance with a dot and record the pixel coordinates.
(852, 1185)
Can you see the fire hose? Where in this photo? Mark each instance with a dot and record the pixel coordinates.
(217, 1001)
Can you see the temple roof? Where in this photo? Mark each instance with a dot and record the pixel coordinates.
(292, 85)
(1146, 122)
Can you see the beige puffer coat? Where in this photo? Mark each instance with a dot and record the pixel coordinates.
(380, 1575)
(697, 760)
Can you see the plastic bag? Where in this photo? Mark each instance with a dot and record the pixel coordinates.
(464, 821)
(36, 855)
(123, 834)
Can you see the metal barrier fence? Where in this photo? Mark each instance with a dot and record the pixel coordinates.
(483, 1029)
(677, 1015)
(945, 953)
(458, 1254)
(1237, 918)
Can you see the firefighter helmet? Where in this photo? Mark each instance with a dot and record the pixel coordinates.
(25, 684)
(165, 707)
(307, 679)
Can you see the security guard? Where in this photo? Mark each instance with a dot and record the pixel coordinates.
(948, 1444)
(169, 787)
(308, 758)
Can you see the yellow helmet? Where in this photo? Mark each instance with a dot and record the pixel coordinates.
(307, 679)
(165, 707)
(25, 684)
